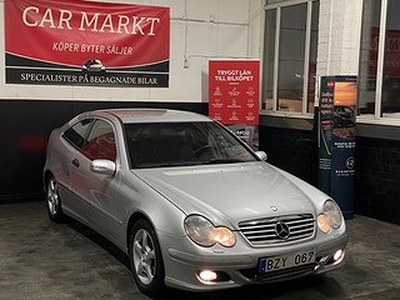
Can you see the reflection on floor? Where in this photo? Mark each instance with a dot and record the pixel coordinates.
(42, 260)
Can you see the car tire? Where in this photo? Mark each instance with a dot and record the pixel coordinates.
(146, 259)
(54, 202)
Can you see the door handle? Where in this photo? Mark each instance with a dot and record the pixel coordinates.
(75, 162)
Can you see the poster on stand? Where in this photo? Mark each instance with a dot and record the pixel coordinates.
(337, 129)
(234, 95)
(86, 43)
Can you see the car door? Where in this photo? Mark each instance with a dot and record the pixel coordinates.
(97, 191)
(71, 140)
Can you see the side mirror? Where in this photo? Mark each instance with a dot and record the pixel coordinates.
(103, 166)
(262, 155)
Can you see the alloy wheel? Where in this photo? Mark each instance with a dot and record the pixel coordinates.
(144, 257)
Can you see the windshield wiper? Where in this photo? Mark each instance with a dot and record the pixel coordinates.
(221, 161)
(167, 164)
(214, 161)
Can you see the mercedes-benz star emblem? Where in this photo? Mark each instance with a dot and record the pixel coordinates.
(282, 230)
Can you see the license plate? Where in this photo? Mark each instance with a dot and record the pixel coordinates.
(269, 264)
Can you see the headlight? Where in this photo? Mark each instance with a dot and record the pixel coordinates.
(204, 233)
(330, 218)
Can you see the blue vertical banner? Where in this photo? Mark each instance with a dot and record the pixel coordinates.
(337, 127)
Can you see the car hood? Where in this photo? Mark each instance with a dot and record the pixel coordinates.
(227, 194)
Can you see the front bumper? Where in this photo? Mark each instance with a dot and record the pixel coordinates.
(238, 268)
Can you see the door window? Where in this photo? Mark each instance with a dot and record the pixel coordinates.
(100, 143)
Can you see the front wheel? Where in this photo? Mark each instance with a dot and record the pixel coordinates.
(146, 259)
(54, 202)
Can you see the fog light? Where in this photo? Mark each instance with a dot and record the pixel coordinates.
(338, 256)
(208, 275)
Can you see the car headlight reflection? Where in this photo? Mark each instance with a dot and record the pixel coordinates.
(330, 218)
(204, 233)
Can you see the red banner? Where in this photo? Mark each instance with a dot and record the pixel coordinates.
(86, 43)
(234, 91)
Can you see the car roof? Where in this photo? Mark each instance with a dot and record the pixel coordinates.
(152, 115)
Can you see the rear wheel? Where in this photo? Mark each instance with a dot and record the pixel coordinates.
(54, 202)
(146, 260)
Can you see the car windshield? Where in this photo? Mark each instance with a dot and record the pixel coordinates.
(183, 144)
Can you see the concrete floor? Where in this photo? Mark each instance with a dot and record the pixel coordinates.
(43, 260)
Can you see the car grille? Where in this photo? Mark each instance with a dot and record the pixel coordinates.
(278, 229)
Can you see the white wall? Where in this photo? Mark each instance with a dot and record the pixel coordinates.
(339, 37)
(200, 30)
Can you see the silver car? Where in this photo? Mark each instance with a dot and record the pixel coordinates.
(191, 205)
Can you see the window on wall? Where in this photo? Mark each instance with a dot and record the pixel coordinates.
(290, 55)
(379, 91)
